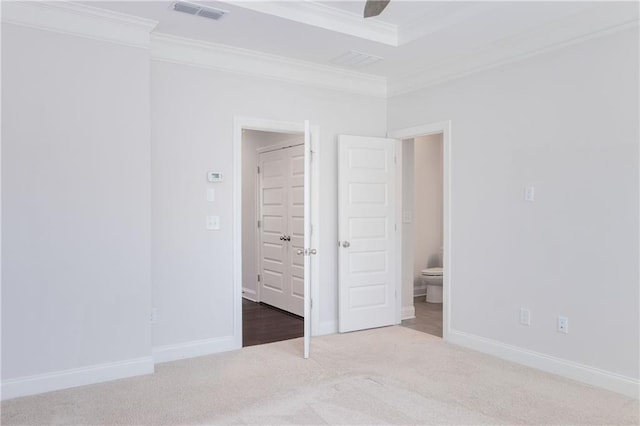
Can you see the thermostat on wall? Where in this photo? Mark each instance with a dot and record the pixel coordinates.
(214, 176)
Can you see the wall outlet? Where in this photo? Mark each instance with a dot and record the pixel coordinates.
(154, 316)
(563, 324)
(525, 316)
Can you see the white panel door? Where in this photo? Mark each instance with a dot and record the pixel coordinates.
(282, 228)
(295, 231)
(273, 228)
(367, 233)
(307, 251)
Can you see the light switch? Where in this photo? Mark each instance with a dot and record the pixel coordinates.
(211, 195)
(213, 223)
(529, 193)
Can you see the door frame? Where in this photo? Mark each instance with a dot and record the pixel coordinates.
(266, 125)
(443, 127)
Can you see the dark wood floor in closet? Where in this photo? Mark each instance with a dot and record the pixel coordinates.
(265, 324)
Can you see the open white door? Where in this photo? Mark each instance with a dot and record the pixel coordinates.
(307, 251)
(367, 232)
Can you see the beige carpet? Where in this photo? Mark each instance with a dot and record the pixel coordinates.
(390, 375)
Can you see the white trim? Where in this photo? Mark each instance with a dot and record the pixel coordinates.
(249, 294)
(80, 20)
(330, 18)
(219, 57)
(193, 349)
(64, 379)
(408, 312)
(443, 127)
(583, 373)
(240, 123)
(316, 225)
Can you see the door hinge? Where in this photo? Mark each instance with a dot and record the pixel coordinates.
(259, 224)
(311, 303)
(311, 229)
(395, 160)
(258, 277)
(258, 169)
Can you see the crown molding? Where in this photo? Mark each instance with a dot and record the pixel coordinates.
(169, 48)
(79, 20)
(327, 17)
(553, 36)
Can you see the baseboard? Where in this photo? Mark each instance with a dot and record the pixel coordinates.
(408, 312)
(193, 349)
(582, 373)
(327, 327)
(250, 294)
(64, 379)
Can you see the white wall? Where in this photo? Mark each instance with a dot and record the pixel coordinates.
(427, 210)
(565, 122)
(252, 140)
(192, 123)
(75, 207)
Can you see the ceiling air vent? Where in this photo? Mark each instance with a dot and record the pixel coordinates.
(198, 10)
(355, 59)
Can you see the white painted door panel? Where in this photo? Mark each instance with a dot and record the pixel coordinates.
(296, 229)
(273, 198)
(306, 240)
(366, 214)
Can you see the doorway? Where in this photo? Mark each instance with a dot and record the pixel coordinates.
(243, 176)
(405, 261)
(422, 234)
(272, 232)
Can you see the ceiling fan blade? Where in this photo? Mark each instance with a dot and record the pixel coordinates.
(374, 7)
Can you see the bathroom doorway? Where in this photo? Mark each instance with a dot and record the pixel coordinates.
(423, 233)
(405, 262)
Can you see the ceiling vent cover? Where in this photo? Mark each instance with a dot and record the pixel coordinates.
(198, 10)
(355, 59)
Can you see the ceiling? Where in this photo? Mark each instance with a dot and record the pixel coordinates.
(411, 37)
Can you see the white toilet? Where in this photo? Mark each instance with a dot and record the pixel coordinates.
(432, 278)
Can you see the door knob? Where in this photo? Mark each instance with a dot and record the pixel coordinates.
(281, 237)
(299, 251)
(345, 244)
(287, 237)
(313, 251)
